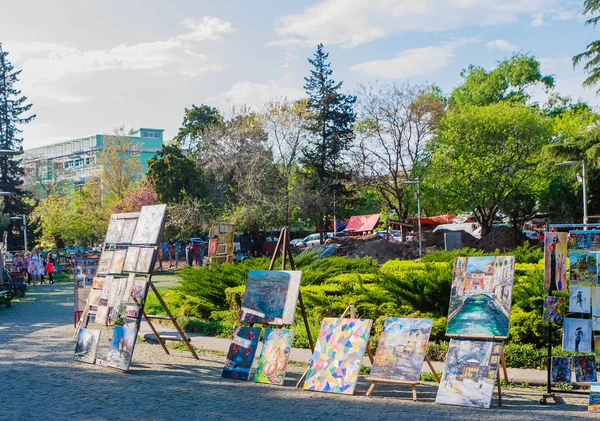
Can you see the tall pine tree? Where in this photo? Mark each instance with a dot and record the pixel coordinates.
(331, 119)
(13, 107)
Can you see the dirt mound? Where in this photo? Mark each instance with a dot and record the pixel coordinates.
(376, 247)
(501, 238)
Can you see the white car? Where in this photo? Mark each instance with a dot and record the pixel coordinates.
(313, 240)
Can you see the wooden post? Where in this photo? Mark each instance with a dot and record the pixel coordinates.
(158, 338)
(503, 362)
(433, 370)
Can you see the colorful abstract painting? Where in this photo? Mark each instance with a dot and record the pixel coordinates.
(481, 295)
(86, 345)
(131, 259)
(104, 262)
(594, 402)
(338, 353)
(149, 225)
(469, 373)
(554, 310)
(584, 240)
(585, 368)
(241, 352)
(562, 368)
(580, 299)
(274, 356)
(145, 260)
(584, 269)
(555, 261)
(577, 335)
(121, 347)
(116, 265)
(270, 297)
(401, 349)
(596, 308)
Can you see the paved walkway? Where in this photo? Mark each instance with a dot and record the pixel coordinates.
(40, 381)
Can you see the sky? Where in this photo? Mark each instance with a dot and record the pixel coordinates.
(91, 66)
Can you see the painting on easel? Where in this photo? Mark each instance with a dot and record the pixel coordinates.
(401, 349)
(469, 373)
(273, 359)
(241, 352)
(337, 356)
(271, 297)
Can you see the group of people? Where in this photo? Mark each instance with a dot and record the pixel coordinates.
(37, 266)
(194, 253)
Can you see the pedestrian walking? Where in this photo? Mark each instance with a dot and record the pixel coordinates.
(189, 254)
(50, 269)
(171, 250)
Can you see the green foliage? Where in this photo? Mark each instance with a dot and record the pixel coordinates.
(315, 271)
(530, 356)
(592, 55)
(450, 256)
(195, 122)
(528, 253)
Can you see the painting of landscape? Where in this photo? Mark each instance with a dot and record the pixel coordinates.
(469, 373)
(274, 355)
(149, 225)
(121, 347)
(554, 309)
(585, 368)
(594, 402)
(555, 261)
(270, 297)
(584, 269)
(577, 335)
(241, 352)
(337, 356)
(562, 368)
(401, 349)
(86, 346)
(481, 296)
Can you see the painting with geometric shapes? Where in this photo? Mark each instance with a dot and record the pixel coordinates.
(554, 309)
(469, 373)
(555, 261)
(336, 360)
(481, 295)
(594, 402)
(596, 308)
(149, 224)
(584, 240)
(562, 368)
(577, 335)
(584, 269)
(121, 347)
(271, 297)
(86, 346)
(401, 349)
(580, 299)
(585, 368)
(274, 355)
(241, 353)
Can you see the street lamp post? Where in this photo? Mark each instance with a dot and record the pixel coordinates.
(417, 181)
(583, 185)
(24, 226)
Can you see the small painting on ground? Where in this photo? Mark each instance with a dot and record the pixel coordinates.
(481, 295)
(401, 349)
(554, 310)
(577, 335)
(336, 360)
(86, 346)
(271, 297)
(584, 269)
(585, 368)
(594, 402)
(562, 368)
(580, 299)
(121, 347)
(273, 359)
(555, 261)
(241, 352)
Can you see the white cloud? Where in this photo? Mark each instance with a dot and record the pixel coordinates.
(501, 44)
(412, 62)
(206, 28)
(355, 22)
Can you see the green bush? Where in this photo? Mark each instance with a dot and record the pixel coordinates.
(530, 356)
(450, 256)
(317, 271)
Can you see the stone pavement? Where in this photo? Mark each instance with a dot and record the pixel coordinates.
(40, 381)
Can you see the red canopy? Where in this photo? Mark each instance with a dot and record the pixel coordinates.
(434, 220)
(362, 223)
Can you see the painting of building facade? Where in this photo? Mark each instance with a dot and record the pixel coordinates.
(401, 349)
(271, 297)
(580, 299)
(577, 335)
(562, 368)
(585, 368)
(121, 347)
(594, 402)
(584, 269)
(555, 261)
(337, 356)
(274, 356)
(241, 353)
(86, 346)
(469, 373)
(481, 295)
(584, 240)
(554, 309)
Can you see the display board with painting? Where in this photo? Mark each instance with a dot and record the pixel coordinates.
(274, 356)
(577, 335)
(583, 269)
(585, 368)
(554, 309)
(595, 308)
(555, 261)
(562, 368)
(150, 224)
(241, 353)
(580, 299)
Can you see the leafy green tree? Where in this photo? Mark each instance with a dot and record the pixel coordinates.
(592, 55)
(484, 154)
(120, 163)
(195, 121)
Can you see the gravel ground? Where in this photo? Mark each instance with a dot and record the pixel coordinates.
(40, 381)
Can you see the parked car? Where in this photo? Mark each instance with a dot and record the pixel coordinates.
(313, 240)
(395, 235)
(532, 235)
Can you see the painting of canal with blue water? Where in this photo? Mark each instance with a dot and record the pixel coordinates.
(481, 296)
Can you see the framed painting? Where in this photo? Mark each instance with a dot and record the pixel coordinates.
(131, 259)
(241, 352)
(271, 297)
(469, 373)
(401, 349)
(118, 260)
(274, 356)
(113, 233)
(596, 308)
(585, 368)
(339, 350)
(121, 347)
(594, 400)
(481, 296)
(149, 225)
(555, 261)
(580, 299)
(562, 368)
(584, 269)
(105, 262)
(577, 335)
(145, 260)
(86, 345)
(584, 240)
(132, 311)
(554, 309)
(138, 291)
